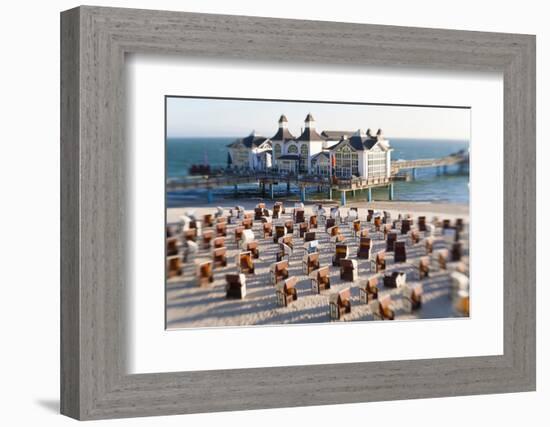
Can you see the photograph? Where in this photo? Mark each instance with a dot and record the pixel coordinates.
(300, 212)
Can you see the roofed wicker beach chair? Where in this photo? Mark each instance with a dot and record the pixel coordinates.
(207, 236)
(191, 249)
(348, 269)
(370, 214)
(299, 215)
(253, 248)
(219, 213)
(258, 213)
(411, 297)
(244, 263)
(459, 224)
(446, 224)
(288, 240)
(235, 286)
(204, 273)
(190, 234)
(219, 256)
(218, 242)
(309, 236)
(320, 279)
(340, 304)
(456, 252)
(380, 261)
(390, 241)
(429, 245)
(330, 222)
(442, 257)
(172, 246)
(399, 252)
(377, 223)
(356, 226)
(422, 223)
(313, 221)
(277, 210)
(368, 289)
(387, 308)
(333, 231)
(424, 267)
(395, 279)
(405, 226)
(311, 246)
(386, 219)
(221, 229)
(284, 250)
(247, 223)
(341, 251)
(363, 251)
(208, 220)
(303, 227)
(414, 236)
(278, 271)
(174, 266)
(310, 262)
(267, 229)
(289, 224)
(280, 231)
(387, 228)
(238, 233)
(286, 291)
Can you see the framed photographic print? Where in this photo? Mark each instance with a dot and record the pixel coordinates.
(316, 212)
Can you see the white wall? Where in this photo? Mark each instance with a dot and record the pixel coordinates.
(29, 168)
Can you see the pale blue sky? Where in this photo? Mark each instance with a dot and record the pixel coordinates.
(236, 118)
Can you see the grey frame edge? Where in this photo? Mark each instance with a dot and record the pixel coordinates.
(94, 41)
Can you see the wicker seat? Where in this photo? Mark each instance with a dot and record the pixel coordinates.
(399, 252)
(244, 263)
(278, 271)
(363, 251)
(340, 252)
(310, 262)
(368, 289)
(204, 273)
(174, 266)
(235, 286)
(340, 304)
(207, 236)
(348, 270)
(390, 241)
(286, 292)
(320, 279)
(219, 256)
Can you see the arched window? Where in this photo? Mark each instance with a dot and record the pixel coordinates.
(304, 154)
(292, 149)
(277, 151)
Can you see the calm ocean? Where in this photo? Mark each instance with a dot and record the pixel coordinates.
(181, 153)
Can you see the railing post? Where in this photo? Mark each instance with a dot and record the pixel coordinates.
(390, 192)
(330, 192)
(343, 198)
(271, 190)
(303, 194)
(369, 194)
(209, 195)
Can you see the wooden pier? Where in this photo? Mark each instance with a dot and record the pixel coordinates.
(267, 180)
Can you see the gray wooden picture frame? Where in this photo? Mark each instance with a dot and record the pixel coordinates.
(94, 41)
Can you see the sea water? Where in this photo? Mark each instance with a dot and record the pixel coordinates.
(429, 185)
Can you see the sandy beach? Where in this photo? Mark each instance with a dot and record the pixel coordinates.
(190, 306)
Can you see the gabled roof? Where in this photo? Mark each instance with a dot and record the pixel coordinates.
(251, 141)
(282, 118)
(309, 118)
(336, 134)
(325, 154)
(282, 135)
(357, 142)
(310, 135)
